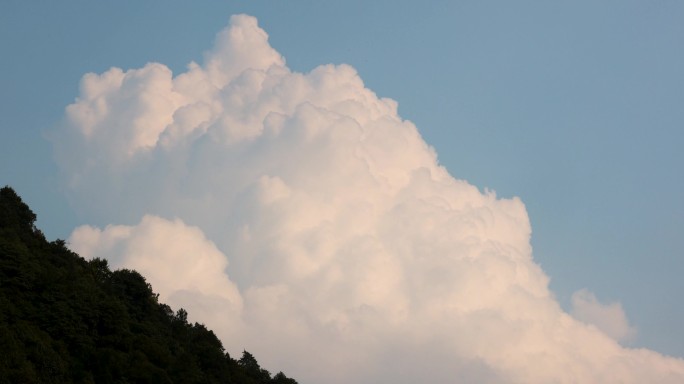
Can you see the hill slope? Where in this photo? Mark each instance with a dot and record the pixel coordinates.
(67, 320)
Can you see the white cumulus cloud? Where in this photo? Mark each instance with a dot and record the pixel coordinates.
(183, 266)
(609, 318)
(317, 229)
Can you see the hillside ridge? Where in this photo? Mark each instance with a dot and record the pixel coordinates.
(64, 319)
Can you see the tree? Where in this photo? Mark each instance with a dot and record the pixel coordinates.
(67, 320)
(252, 368)
(280, 378)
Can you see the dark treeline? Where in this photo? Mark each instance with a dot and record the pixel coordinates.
(67, 320)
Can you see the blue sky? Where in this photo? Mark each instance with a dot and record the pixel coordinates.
(574, 107)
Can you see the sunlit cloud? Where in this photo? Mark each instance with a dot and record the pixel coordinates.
(609, 318)
(301, 218)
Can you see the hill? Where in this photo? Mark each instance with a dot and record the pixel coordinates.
(67, 320)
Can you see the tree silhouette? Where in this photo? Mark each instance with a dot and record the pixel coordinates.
(67, 320)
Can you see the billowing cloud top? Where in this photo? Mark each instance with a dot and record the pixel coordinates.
(301, 218)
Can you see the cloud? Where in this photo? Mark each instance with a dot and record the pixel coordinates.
(183, 266)
(317, 229)
(609, 318)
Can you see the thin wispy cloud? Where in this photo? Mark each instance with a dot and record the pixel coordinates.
(609, 318)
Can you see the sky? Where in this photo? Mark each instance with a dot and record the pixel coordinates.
(534, 136)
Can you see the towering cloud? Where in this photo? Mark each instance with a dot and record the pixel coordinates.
(301, 218)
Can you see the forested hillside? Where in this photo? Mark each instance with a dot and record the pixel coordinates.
(67, 320)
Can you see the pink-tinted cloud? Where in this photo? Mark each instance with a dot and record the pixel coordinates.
(316, 228)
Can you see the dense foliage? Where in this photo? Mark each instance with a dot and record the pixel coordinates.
(67, 320)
